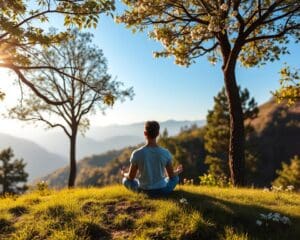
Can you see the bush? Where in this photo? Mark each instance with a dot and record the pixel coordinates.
(212, 180)
(289, 175)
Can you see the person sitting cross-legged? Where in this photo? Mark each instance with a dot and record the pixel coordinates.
(152, 161)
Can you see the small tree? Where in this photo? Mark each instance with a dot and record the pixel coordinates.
(217, 132)
(290, 86)
(12, 173)
(22, 32)
(251, 31)
(95, 90)
(289, 174)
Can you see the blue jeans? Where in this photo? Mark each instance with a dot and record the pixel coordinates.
(134, 185)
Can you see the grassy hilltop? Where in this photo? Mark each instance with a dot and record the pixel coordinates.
(115, 213)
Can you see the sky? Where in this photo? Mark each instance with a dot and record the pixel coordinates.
(162, 89)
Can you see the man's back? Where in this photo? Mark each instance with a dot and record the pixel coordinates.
(151, 162)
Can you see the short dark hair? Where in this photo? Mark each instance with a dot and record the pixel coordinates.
(152, 129)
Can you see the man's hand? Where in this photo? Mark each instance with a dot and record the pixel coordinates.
(178, 170)
(123, 172)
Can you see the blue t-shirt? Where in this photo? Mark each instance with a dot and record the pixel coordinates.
(151, 162)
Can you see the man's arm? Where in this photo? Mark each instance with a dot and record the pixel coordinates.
(171, 172)
(131, 174)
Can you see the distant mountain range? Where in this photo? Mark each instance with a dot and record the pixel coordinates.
(49, 152)
(39, 161)
(137, 129)
(277, 131)
(102, 139)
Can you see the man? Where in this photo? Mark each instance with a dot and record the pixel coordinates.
(152, 161)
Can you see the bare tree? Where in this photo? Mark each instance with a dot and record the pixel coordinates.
(94, 91)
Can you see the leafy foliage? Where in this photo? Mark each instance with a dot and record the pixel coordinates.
(213, 180)
(187, 149)
(252, 32)
(22, 34)
(85, 84)
(290, 86)
(289, 174)
(12, 173)
(189, 29)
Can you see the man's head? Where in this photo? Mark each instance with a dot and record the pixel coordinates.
(151, 129)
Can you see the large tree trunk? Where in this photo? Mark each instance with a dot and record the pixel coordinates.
(72, 175)
(237, 136)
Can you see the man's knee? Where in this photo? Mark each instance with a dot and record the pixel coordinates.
(130, 184)
(174, 180)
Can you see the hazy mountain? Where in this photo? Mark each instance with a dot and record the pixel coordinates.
(276, 137)
(59, 143)
(136, 129)
(39, 161)
(102, 139)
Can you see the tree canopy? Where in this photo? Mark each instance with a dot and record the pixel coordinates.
(289, 174)
(259, 30)
(250, 31)
(289, 90)
(22, 33)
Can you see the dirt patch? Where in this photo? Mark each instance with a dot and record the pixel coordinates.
(120, 217)
(117, 217)
(134, 209)
(120, 234)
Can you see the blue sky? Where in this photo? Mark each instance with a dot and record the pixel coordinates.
(162, 89)
(165, 90)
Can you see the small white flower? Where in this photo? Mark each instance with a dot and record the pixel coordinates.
(183, 201)
(224, 7)
(285, 220)
(277, 215)
(266, 189)
(290, 188)
(258, 222)
(263, 216)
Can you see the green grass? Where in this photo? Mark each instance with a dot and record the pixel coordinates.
(116, 213)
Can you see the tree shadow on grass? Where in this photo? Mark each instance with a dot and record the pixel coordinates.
(242, 218)
(5, 226)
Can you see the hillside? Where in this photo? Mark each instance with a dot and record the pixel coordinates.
(101, 139)
(115, 213)
(136, 129)
(275, 138)
(86, 146)
(39, 161)
(88, 170)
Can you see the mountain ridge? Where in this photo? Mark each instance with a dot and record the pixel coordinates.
(39, 161)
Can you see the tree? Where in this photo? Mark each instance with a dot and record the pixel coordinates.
(95, 90)
(251, 31)
(217, 133)
(12, 172)
(289, 174)
(22, 34)
(290, 86)
(187, 148)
